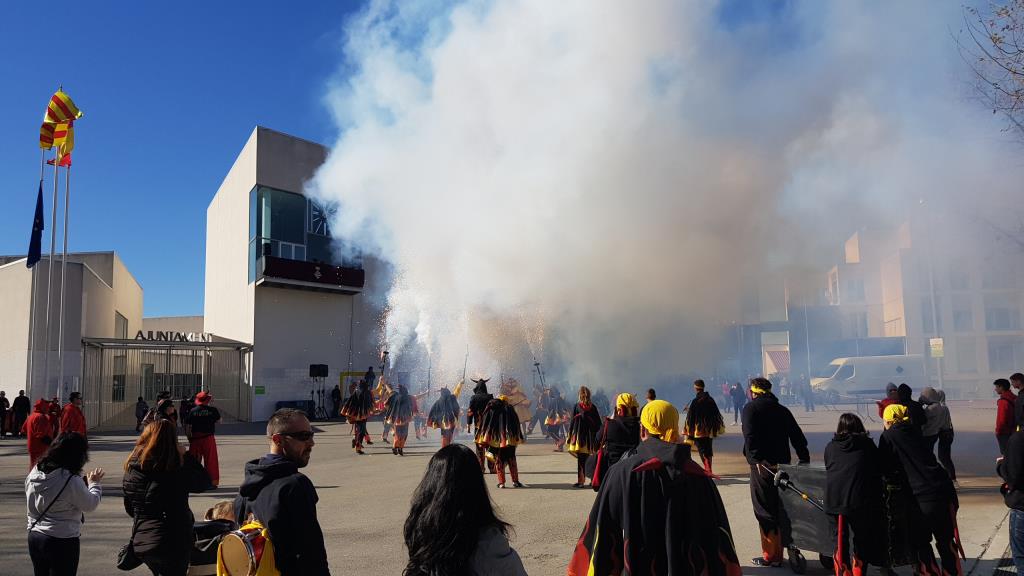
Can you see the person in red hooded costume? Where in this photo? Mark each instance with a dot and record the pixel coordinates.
(71, 418)
(39, 430)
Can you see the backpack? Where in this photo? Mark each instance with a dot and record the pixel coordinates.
(247, 551)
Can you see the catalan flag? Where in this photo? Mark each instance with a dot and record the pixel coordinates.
(65, 161)
(64, 137)
(61, 109)
(46, 136)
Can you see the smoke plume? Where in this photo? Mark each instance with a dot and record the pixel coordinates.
(599, 184)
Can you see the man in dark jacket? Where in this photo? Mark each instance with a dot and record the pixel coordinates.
(21, 408)
(918, 416)
(1017, 382)
(283, 499)
(1011, 468)
(768, 430)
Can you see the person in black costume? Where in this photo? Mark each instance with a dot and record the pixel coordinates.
(918, 417)
(619, 436)
(657, 513)
(908, 462)
(853, 497)
(444, 415)
(768, 430)
(703, 423)
(398, 412)
(500, 433)
(358, 408)
(475, 417)
(558, 414)
(584, 428)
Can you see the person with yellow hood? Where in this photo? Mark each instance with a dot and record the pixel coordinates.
(768, 430)
(619, 436)
(909, 464)
(657, 512)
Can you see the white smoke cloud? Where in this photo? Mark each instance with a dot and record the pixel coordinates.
(590, 183)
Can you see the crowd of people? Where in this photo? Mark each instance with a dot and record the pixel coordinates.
(655, 506)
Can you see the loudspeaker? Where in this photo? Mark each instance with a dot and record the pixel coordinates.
(318, 370)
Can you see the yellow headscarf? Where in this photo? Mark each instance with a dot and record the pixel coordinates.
(661, 418)
(895, 413)
(755, 389)
(626, 400)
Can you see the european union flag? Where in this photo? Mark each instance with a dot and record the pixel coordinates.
(35, 244)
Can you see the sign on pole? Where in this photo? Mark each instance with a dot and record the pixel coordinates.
(936, 347)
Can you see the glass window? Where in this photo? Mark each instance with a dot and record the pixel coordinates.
(320, 218)
(963, 315)
(844, 373)
(120, 326)
(1002, 312)
(998, 277)
(286, 220)
(927, 314)
(253, 213)
(959, 277)
(1005, 354)
(966, 355)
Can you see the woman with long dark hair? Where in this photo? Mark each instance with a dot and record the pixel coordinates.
(158, 476)
(584, 428)
(853, 496)
(57, 498)
(452, 529)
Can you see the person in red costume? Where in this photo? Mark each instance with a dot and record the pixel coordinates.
(71, 417)
(39, 431)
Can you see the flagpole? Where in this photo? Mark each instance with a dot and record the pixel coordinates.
(63, 268)
(49, 280)
(32, 299)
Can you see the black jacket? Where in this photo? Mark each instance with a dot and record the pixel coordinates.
(658, 512)
(284, 501)
(621, 434)
(1011, 469)
(908, 461)
(159, 503)
(477, 405)
(853, 479)
(918, 416)
(768, 430)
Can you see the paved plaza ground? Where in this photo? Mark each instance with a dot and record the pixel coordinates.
(364, 499)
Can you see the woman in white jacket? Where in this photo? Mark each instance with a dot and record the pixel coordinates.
(57, 499)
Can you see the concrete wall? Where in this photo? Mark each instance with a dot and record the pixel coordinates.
(15, 291)
(172, 324)
(286, 162)
(229, 298)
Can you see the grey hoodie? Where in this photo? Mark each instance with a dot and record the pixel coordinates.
(64, 518)
(494, 556)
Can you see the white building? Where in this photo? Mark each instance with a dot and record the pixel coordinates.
(274, 278)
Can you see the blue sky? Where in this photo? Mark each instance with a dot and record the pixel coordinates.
(170, 92)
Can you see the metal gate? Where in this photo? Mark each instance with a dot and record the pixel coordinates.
(115, 373)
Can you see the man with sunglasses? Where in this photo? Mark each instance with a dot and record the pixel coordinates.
(284, 499)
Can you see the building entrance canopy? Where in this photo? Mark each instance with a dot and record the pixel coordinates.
(116, 372)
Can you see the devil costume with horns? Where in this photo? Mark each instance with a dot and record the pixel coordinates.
(475, 417)
(444, 415)
(500, 432)
(558, 415)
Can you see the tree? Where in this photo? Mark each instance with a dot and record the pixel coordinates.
(995, 52)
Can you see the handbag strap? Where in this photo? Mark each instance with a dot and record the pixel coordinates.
(47, 509)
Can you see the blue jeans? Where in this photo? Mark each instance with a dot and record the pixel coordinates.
(1017, 539)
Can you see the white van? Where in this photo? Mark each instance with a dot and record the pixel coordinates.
(867, 375)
